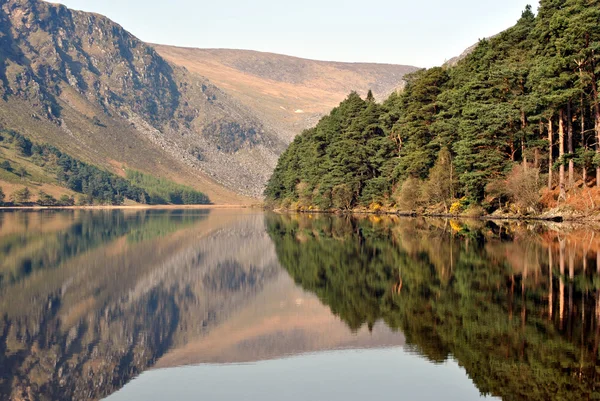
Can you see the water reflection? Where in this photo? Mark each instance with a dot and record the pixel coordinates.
(89, 300)
(109, 292)
(517, 306)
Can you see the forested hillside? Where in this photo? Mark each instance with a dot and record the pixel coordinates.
(518, 114)
(36, 168)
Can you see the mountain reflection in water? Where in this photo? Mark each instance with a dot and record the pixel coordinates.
(91, 299)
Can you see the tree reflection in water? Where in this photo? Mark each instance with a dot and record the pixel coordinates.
(517, 305)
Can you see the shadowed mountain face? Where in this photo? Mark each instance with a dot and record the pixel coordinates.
(289, 94)
(81, 82)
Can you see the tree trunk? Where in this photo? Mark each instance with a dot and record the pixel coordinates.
(570, 145)
(561, 154)
(583, 142)
(596, 125)
(571, 279)
(523, 127)
(550, 156)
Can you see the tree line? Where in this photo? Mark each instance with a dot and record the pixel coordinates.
(162, 191)
(519, 113)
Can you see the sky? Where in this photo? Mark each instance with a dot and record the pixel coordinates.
(422, 33)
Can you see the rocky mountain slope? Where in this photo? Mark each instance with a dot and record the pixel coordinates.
(81, 82)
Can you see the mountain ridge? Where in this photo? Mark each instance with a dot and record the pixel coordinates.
(83, 83)
(292, 93)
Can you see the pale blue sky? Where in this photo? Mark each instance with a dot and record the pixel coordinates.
(417, 32)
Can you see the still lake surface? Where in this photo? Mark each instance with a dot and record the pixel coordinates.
(245, 305)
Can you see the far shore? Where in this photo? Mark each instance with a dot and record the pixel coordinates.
(130, 207)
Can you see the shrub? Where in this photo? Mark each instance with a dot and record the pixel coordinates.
(474, 211)
(286, 203)
(376, 190)
(439, 187)
(66, 200)
(45, 199)
(21, 196)
(84, 200)
(408, 198)
(305, 193)
(458, 206)
(322, 199)
(523, 184)
(341, 196)
(21, 172)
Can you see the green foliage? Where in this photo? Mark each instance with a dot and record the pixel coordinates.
(66, 200)
(21, 196)
(21, 172)
(95, 185)
(45, 199)
(2, 196)
(493, 109)
(161, 191)
(341, 196)
(410, 194)
(5, 165)
(343, 161)
(439, 188)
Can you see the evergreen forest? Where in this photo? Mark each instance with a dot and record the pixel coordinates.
(513, 126)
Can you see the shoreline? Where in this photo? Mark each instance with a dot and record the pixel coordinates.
(127, 207)
(588, 220)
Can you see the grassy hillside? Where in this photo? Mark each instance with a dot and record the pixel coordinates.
(288, 93)
(34, 177)
(38, 173)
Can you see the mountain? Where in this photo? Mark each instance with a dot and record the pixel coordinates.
(289, 94)
(82, 83)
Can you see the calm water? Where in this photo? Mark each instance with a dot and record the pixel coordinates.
(241, 305)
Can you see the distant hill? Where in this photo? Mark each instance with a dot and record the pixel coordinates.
(84, 84)
(454, 60)
(287, 93)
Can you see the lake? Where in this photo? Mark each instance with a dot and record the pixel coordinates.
(245, 305)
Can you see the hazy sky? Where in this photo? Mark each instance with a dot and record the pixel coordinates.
(417, 32)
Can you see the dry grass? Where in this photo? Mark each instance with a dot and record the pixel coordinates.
(275, 87)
